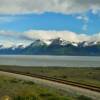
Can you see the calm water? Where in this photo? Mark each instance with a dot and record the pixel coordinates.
(34, 60)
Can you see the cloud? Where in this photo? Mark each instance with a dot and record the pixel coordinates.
(7, 33)
(6, 44)
(7, 19)
(46, 35)
(31, 35)
(85, 20)
(10, 38)
(66, 35)
(83, 17)
(41, 6)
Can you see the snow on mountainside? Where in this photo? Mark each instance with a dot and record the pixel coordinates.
(19, 46)
(56, 41)
(13, 46)
(87, 43)
(55, 46)
(37, 43)
(1, 46)
(59, 41)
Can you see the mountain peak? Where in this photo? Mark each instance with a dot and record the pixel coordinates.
(56, 46)
(88, 43)
(59, 41)
(38, 42)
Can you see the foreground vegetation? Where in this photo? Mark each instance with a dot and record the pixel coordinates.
(84, 75)
(16, 89)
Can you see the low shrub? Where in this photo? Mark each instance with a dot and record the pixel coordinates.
(82, 97)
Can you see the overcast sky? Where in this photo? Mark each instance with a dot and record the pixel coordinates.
(26, 20)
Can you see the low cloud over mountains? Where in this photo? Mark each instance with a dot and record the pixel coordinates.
(31, 35)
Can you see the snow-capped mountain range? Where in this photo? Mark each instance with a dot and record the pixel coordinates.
(56, 41)
(56, 46)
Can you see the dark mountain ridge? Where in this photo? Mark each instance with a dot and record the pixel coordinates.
(57, 46)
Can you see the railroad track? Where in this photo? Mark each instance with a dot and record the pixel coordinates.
(89, 87)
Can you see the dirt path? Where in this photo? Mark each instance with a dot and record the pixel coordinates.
(59, 86)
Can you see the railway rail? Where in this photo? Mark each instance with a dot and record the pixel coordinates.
(89, 87)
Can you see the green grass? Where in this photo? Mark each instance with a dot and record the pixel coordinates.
(84, 75)
(27, 90)
(17, 89)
